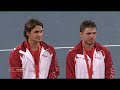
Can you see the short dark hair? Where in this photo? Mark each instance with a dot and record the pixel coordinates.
(30, 24)
(87, 24)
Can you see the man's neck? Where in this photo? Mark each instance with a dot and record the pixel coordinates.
(33, 45)
(87, 46)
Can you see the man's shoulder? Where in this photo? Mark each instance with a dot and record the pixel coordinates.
(102, 47)
(76, 48)
(73, 51)
(50, 45)
(47, 46)
(17, 48)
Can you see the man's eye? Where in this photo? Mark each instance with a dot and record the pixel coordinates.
(88, 33)
(41, 31)
(36, 31)
(94, 33)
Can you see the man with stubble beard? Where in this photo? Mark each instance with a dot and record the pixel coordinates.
(88, 59)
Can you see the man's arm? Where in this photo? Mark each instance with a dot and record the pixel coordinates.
(15, 65)
(70, 66)
(109, 67)
(54, 71)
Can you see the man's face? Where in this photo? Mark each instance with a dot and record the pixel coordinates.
(35, 34)
(89, 35)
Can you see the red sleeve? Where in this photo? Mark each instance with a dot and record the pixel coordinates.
(70, 66)
(54, 71)
(109, 67)
(15, 65)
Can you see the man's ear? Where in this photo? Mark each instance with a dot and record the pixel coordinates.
(27, 33)
(81, 34)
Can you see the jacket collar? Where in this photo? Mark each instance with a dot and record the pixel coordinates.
(29, 55)
(26, 45)
(25, 49)
(78, 48)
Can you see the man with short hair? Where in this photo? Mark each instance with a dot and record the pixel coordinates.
(88, 59)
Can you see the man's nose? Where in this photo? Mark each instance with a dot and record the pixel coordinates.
(39, 34)
(92, 35)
